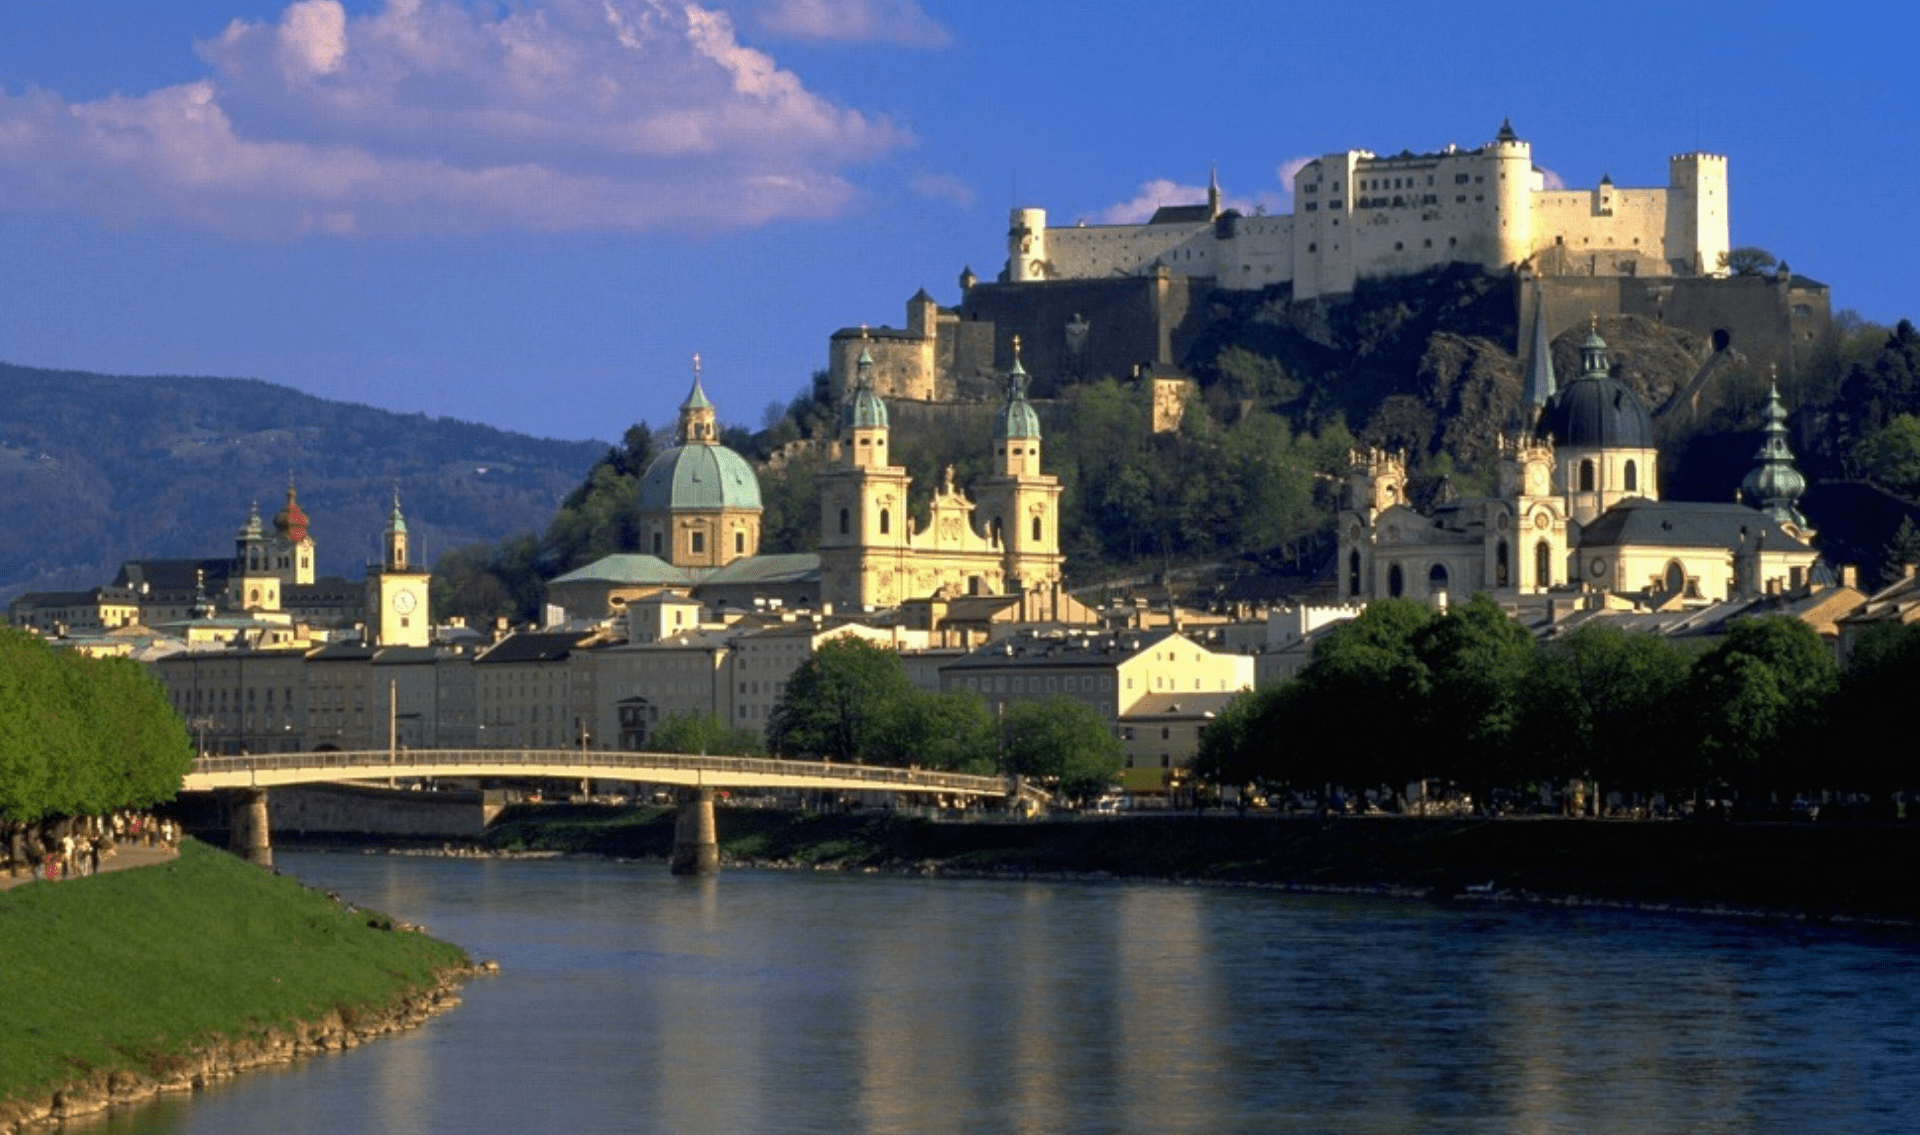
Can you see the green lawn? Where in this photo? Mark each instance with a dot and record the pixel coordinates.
(130, 968)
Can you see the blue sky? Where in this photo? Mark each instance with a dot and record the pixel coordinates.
(532, 213)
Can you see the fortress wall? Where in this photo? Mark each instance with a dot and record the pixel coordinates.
(1097, 251)
(1125, 317)
(1574, 221)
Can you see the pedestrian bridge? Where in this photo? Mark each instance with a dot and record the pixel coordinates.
(696, 850)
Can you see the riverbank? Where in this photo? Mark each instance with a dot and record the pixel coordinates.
(1814, 871)
(128, 984)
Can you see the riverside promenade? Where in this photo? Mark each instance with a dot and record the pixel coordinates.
(125, 856)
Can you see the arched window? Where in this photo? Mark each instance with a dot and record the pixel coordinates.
(1543, 565)
(843, 522)
(1396, 583)
(699, 543)
(1500, 564)
(1632, 477)
(1036, 530)
(1436, 579)
(999, 530)
(739, 542)
(886, 522)
(1676, 580)
(1586, 475)
(1353, 573)
(656, 543)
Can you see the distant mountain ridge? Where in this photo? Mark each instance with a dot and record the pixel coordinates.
(96, 469)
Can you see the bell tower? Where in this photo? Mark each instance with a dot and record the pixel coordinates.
(864, 522)
(397, 591)
(1020, 505)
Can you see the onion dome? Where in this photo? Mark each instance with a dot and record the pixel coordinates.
(699, 473)
(866, 409)
(1774, 486)
(1596, 410)
(290, 521)
(253, 529)
(1017, 419)
(396, 522)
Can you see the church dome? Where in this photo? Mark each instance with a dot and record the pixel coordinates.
(291, 521)
(1016, 419)
(866, 409)
(1596, 410)
(699, 477)
(1598, 413)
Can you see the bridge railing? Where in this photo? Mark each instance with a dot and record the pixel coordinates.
(603, 764)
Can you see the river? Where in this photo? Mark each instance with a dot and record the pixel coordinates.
(632, 1001)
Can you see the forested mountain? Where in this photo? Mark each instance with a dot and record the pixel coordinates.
(96, 469)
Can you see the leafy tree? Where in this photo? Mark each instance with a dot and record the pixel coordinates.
(1902, 550)
(1064, 742)
(1758, 699)
(952, 732)
(1748, 261)
(704, 733)
(1872, 714)
(1477, 660)
(1603, 704)
(839, 703)
(1891, 455)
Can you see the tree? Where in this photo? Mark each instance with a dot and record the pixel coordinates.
(1603, 704)
(1891, 455)
(1477, 661)
(952, 732)
(1749, 261)
(1061, 741)
(704, 733)
(1758, 700)
(837, 704)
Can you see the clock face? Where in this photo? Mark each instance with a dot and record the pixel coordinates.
(403, 601)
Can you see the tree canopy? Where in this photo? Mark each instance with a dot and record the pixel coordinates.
(83, 736)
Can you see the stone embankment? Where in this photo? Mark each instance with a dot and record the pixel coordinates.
(222, 1058)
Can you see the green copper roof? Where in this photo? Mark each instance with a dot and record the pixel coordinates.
(699, 477)
(1774, 484)
(396, 522)
(1017, 418)
(865, 410)
(696, 398)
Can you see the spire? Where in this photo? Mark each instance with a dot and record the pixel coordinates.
(1593, 353)
(1540, 380)
(698, 418)
(395, 521)
(864, 408)
(253, 529)
(1506, 131)
(1017, 418)
(1213, 189)
(1775, 485)
(290, 521)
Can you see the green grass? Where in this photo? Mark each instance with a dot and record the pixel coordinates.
(129, 969)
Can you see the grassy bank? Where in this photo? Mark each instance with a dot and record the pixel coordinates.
(1815, 870)
(138, 972)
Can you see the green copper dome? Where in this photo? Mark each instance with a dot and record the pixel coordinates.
(699, 477)
(865, 410)
(1017, 419)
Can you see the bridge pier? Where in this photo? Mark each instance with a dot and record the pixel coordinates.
(247, 823)
(696, 847)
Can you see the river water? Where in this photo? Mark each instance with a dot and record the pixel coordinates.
(632, 1001)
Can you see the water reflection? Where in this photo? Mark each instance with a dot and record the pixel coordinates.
(633, 1001)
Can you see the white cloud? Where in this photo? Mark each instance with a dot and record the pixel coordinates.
(433, 116)
(1165, 191)
(944, 187)
(898, 22)
(1550, 179)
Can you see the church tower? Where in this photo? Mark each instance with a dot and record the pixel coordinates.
(292, 543)
(864, 522)
(1019, 505)
(1602, 438)
(254, 586)
(397, 599)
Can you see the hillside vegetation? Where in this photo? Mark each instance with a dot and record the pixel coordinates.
(97, 469)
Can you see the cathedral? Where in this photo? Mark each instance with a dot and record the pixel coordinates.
(1004, 540)
(1577, 508)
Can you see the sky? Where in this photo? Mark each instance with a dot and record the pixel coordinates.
(533, 213)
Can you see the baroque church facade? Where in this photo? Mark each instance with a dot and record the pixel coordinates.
(1003, 540)
(1577, 507)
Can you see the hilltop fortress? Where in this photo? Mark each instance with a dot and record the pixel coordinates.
(1093, 300)
(1360, 215)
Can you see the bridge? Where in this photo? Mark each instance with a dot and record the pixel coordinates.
(696, 850)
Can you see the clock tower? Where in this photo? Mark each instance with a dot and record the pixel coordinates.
(397, 612)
